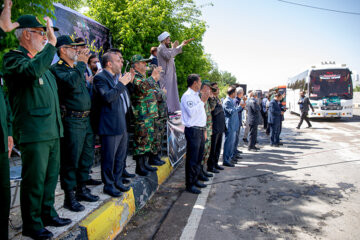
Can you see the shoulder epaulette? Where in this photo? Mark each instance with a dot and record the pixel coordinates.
(16, 50)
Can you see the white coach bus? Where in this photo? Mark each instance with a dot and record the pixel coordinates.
(329, 88)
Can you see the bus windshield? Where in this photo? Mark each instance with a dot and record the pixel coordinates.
(331, 83)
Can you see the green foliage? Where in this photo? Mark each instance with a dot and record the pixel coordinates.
(357, 89)
(39, 8)
(135, 25)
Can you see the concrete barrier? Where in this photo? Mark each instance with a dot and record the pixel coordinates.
(109, 219)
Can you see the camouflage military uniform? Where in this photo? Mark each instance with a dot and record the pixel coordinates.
(160, 122)
(208, 133)
(145, 110)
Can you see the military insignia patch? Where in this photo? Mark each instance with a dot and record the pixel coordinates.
(60, 62)
(190, 104)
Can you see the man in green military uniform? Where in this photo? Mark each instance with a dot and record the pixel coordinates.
(145, 111)
(77, 146)
(204, 174)
(6, 140)
(37, 123)
(159, 123)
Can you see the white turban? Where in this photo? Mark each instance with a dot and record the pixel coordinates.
(163, 36)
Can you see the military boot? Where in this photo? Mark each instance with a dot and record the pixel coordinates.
(71, 203)
(155, 160)
(147, 166)
(84, 194)
(140, 168)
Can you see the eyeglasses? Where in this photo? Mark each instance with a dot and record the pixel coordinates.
(42, 33)
(73, 47)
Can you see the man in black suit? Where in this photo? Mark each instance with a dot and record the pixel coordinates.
(304, 104)
(129, 113)
(253, 115)
(111, 110)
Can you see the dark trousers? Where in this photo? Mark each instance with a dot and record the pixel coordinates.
(195, 141)
(253, 135)
(265, 117)
(216, 141)
(40, 172)
(77, 152)
(113, 156)
(4, 195)
(274, 133)
(304, 116)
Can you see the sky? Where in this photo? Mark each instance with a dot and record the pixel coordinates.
(264, 42)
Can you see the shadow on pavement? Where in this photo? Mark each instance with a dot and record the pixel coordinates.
(260, 202)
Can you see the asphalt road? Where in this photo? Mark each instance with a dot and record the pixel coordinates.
(306, 189)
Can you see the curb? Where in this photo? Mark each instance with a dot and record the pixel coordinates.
(108, 220)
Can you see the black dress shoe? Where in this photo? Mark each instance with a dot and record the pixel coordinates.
(237, 151)
(213, 170)
(245, 140)
(234, 160)
(112, 192)
(39, 234)
(193, 190)
(297, 127)
(256, 148)
(202, 177)
(281, 144)
(219, 167)
(56, 222)
(125, 181)
(228, 164)
(238, 157)
(126, 174)
(252, 150)
(93, 182)
(309, 126)
(122, 187)
(207, 174)
(200, 185)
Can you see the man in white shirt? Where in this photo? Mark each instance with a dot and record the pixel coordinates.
(194, 119)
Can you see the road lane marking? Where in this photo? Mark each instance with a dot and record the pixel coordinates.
(191, 227)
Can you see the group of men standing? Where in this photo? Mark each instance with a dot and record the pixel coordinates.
(59, 108)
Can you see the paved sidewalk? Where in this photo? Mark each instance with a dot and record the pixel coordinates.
(115, 211)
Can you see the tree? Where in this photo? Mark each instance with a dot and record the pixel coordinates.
(135, 25)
